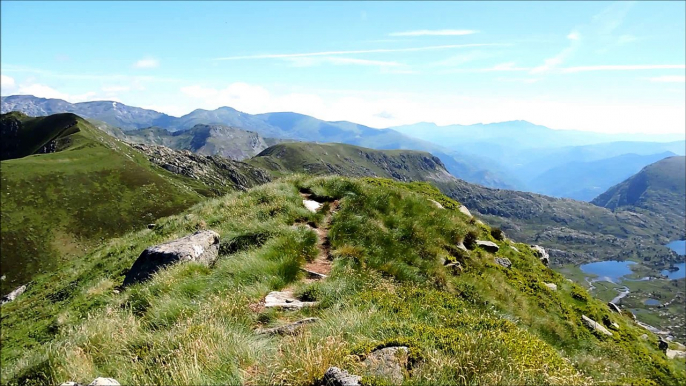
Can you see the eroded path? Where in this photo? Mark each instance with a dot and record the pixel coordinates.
(320, 267)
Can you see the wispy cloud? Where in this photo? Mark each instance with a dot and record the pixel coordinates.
(503, 67)
(147, 63)
(669, 79)
(374, 51)
(336, 60)
(625, 67)
(553, 62)
(440, 32)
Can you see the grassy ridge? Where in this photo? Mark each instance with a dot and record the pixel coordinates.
(56, 205)
(194, 325)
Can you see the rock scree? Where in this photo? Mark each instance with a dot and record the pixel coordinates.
(201, 246)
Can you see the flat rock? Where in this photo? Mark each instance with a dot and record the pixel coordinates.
(13, 295)
(337, 377)
(285, 300)
(552, 286)
(436, 204)
(312, 206)
(489, 246)
(541, 253)
(592, 324)
(202, 246)
(288, 329)
(514, 248)
(503, 261)
(464, 210)
(388, 362)
(461, 246)
(671, 354)
(313, 274)
(101, 381)
(614, 308)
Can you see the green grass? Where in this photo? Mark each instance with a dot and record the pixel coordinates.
(195, 325)
(56, 206)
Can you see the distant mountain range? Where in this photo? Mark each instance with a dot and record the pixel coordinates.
(284, 125)
(507, 155)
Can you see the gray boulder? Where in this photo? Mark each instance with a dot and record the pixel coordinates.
(593, 325)
(541, 253)
(503, 261)
(388, 363)
(202, 246)
(461, 246)
(614, 307)
(337, 377)
(288, 329)
(551, 286)
(671, 354)
(436, 204)
(13, 295)
(465, 211)
(489, 246)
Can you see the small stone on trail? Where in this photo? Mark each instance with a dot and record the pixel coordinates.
(276, 299)
(288, 329)
(311, 205)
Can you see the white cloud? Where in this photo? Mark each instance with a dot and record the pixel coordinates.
(502, 67)
(111, 89)
(625, 39)
(574, 36)
(147, 63)
(381, 50)
(43, 91)
(669, 79)
(440, 32)
(624, 67)
(7, 85)
(553, 62)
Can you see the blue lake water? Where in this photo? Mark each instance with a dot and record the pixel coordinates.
(680, 274)
(652, 302)
(608, 270)
(678, 246)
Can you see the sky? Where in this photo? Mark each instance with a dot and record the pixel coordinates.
(611, 67)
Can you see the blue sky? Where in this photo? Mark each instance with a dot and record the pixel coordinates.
(600, 66)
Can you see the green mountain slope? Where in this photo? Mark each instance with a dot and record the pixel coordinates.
(659, 188)
(388, 286)
(348, 160)
(56, 205)
(23, 135)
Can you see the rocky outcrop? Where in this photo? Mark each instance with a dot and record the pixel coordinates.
(285, 300)
(551, 286)
(436, 204)
(288, 329)
(595, 326)
(337, 377)
(489, 246)
(614, 308)
(541, 253)
(388, 363)
(671, 354)
(13, 295)
(503, 261)
(465, 211)
(218, 173)
(202, 246)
